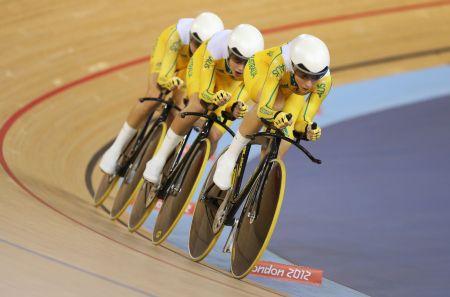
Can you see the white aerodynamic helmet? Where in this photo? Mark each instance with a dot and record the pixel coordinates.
(310, 55)
(245, 40)
(205, 25)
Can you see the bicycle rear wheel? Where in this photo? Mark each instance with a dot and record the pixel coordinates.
(145, 199)
(174, 205)
(109, 181)
(134, 173)
(202, 237)
(252, 238)
(107, 184)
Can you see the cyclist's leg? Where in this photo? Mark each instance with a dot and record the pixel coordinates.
(291, 105)
(136, 116)
(179, 128)
(250, 124)
(140, 110)
(214, 136)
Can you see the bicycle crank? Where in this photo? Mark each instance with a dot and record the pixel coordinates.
(221, 214)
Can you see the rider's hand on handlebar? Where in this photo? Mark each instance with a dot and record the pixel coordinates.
(282, 120)
(313, 134)
(239, 109)
(220, 98)
(172, 84)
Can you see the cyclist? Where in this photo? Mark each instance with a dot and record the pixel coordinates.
(292, 78)
(171, 55)
(214, 78)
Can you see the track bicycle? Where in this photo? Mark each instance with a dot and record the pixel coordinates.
(141, 147)
(261, 198)
(180, 177)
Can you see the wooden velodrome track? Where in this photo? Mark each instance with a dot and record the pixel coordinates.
(58, 108)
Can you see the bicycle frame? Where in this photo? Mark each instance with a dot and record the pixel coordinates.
(177, 173)
(260, 173)
(145, 132)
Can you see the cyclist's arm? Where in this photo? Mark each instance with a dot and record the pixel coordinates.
(239, 94)
(267, 98)
(293, 105)
(313, 103)
(193, 71)
(207, 77)
(169, 61)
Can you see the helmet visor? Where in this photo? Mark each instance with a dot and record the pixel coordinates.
(304, 73)
(195, 39)
(236, 56)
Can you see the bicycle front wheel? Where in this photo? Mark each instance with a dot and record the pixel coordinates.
(174, 205)
(253, 236)
(107, 184)
(146, 199)
(134, 173)
(202, 237)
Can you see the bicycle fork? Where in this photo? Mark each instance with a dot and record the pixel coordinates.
(255, 202)
(229, 243)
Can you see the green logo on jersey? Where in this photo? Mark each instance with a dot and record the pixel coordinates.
(175, 46)
(209, 62)
(190, 68)
(252, 67)
(321, 89)
(270, 53)
(278, 71)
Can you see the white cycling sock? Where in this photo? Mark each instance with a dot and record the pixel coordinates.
(109, 159)
(224, 171)
(123, 138)
(169, 144)
(236, 146)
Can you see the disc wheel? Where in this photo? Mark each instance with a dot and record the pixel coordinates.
(174, 205)
(134, 173)
(109, 181)
(145, 199)
(202, 234)
(253, 236)
(107, 184)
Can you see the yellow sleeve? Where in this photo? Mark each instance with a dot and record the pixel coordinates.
(159, 50)
(169, 61)
(269, 91)
(293, 105)
(207, 77)
(193, 71)
(313, 103)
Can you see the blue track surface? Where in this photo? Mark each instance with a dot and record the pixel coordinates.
(375, 215)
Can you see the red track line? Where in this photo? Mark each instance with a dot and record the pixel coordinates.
(20, 112)
(358, 15)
